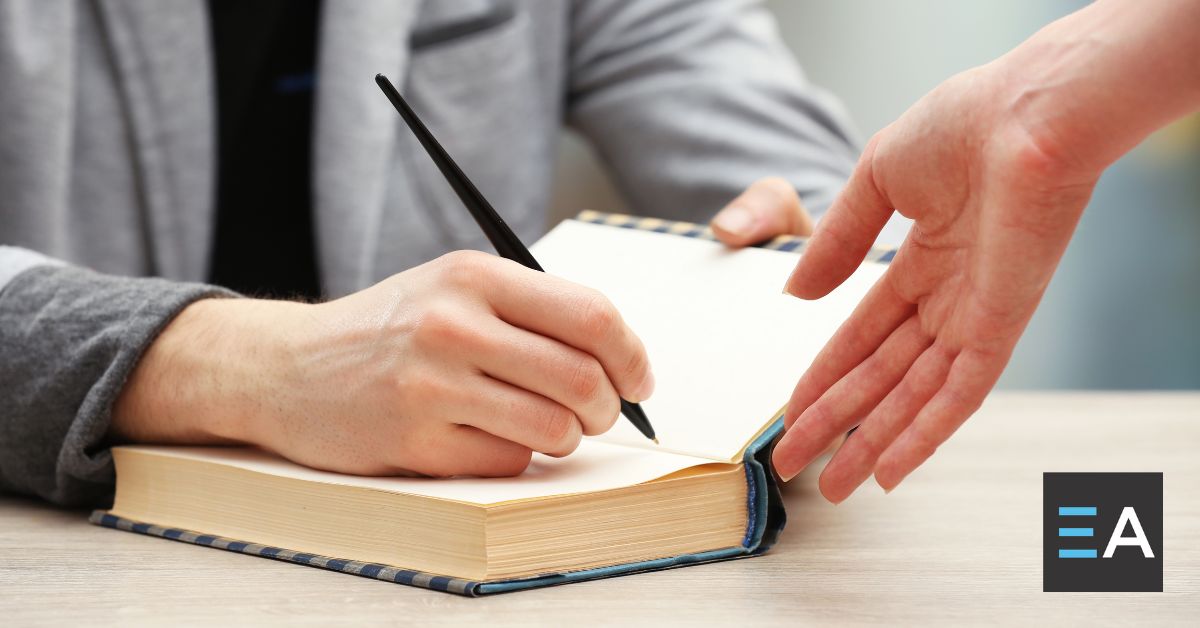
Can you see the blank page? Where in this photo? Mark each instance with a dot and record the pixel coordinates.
(726, 345)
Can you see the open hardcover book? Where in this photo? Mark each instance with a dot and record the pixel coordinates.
(726, 347)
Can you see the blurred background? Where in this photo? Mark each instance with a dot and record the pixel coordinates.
(1123, 310)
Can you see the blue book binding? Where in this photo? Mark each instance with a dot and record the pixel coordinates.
(765, 516)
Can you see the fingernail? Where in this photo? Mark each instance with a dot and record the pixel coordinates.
(736, 220)
(786, 476)
(789, 286)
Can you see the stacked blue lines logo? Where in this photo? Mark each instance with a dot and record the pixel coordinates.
(1102, 531)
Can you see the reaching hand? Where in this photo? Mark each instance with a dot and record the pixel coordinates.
(994, 204)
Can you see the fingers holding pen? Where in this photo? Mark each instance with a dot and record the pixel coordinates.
(583, 318)
(571, 378)
(548, 354)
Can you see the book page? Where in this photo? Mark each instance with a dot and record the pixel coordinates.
(726, 345)
(595, 466)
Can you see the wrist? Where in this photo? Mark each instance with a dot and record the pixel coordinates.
(206, 378)
(1092, 85)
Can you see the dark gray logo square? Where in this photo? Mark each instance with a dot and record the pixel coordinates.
(1102, 531)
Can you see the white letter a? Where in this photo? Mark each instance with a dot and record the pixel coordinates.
(1128, 515)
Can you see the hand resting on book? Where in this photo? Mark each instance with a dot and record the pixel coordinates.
(768, 208)
(461, 366)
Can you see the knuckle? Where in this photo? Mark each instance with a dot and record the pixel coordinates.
(586, 379)
(598, 317)
(816, 415)
(441, 326)
(464, 269)
(871, 440)
(925, 449)
(418, 389)
(463, 260)
(777, 187)
(607, 409)
(559, 429)
(820, 420)
(923, 441)
(570, 445)
(874, 143)
(875, 154)
(636, 367)
(556, 425)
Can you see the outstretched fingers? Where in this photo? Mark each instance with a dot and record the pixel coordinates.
(970, 379)
(867, 328)
(856, 459)
(845, 403)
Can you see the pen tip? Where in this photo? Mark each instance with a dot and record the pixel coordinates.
(656, 441)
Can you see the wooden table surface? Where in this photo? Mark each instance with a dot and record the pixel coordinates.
(959, 542)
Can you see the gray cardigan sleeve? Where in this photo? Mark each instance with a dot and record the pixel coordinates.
(690, 101)
(69, 338)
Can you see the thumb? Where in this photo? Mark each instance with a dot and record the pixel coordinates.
(845, 234)
(769, 207)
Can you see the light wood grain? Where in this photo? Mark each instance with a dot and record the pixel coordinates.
(958, 543)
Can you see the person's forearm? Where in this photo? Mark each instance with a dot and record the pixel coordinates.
(69, 338)
(1092, 85)
(196, 384)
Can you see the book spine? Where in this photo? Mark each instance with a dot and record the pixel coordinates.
(767, 516)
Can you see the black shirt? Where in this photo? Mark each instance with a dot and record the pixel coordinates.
(265, 57)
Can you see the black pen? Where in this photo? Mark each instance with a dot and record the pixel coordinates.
(506, 242)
